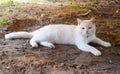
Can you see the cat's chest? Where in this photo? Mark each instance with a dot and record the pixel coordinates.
(88, 39)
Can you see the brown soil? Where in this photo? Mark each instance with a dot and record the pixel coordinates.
(17, 56)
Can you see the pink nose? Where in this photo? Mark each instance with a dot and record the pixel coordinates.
(87, 32)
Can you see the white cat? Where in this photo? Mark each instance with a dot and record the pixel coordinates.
(79, 35)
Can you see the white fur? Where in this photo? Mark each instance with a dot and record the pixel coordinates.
(18, 35)
(64, 34)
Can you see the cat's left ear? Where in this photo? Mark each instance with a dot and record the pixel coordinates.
(92, 19)
(79, 21)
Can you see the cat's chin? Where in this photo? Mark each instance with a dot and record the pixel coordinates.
(86, 35)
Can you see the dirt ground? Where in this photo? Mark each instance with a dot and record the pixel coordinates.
(17, 56)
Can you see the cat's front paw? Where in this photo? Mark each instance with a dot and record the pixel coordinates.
(96, 52)
(106, 44)
(52, 46)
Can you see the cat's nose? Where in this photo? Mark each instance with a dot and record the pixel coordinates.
(87, 32)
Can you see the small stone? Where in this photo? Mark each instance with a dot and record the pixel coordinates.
(43, 15)
(4, 30)
(110, 61)
(118, 54)
(100, 48)
(3, 54)
(82, 66)
(7, 67)
(21, 48)
(74, 65)
(1, 72)
(62, 64)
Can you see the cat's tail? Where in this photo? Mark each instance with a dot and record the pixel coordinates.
(15, 35)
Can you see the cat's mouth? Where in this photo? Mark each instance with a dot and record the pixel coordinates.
(87, 34)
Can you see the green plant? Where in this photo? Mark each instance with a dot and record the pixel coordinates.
(71, 6)
(55, 1)
(2, 21)
(88, 3)
(70, 3)
(97, 0)
(34, 1)
(5, 1)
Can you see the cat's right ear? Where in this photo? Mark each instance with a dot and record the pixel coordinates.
(92, 19)
(79, 21)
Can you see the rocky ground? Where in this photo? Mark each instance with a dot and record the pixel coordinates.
(17, 56)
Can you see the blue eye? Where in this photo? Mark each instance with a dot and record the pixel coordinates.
(83, 28)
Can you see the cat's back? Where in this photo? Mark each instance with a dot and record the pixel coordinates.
(56, 27)
(61, 26)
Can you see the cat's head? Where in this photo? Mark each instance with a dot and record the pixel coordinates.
(86, 27)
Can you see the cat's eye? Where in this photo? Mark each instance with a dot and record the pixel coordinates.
(90, 27)
(83, 28)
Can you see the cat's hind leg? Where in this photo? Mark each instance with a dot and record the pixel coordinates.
(47, 44)
(33, 43)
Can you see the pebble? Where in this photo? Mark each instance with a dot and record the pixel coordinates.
(21, 48)
(7, 67)
(1, 72)
(110, 61)
(118, 54)
(4, 30)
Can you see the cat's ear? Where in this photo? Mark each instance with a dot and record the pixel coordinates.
(79, 21)
(92, 19)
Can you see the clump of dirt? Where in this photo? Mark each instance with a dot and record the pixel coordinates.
(104, 6)
(17, 56)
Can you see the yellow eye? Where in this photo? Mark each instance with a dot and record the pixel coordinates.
(90, 27)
